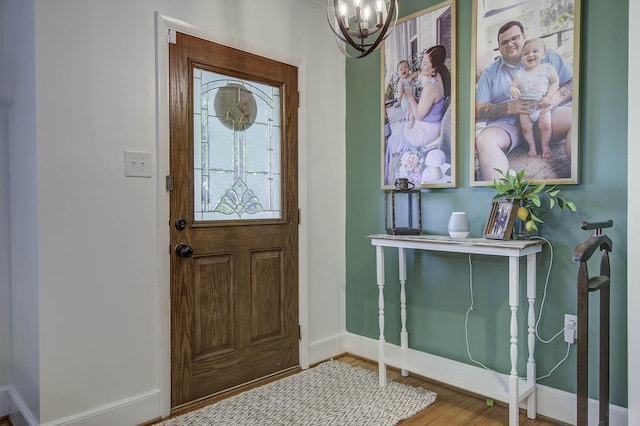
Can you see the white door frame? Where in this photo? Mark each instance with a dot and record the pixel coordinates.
(633, 227)
(165, 28)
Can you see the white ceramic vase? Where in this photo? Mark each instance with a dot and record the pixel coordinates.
(459, 225)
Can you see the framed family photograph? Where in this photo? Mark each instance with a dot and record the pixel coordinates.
(525, 100)
(500, 222)
(419, 99)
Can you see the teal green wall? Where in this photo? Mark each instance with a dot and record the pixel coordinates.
(438, 286)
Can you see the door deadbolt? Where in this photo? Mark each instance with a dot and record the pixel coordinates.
(181, 223)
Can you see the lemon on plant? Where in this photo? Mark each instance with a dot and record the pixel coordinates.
(523, 213)
(529, 226)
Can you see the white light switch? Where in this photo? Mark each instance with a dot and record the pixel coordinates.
(137, 164)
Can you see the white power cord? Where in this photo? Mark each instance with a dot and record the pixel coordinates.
(557, 365)
(544, 296)
(466, 319)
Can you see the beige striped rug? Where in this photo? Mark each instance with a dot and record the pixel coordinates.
(333, 393)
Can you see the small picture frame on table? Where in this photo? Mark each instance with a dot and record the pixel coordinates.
(500, 222)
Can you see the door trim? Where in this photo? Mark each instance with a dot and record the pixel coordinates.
(165, 24)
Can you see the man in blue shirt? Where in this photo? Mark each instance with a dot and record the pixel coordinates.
(495, 106)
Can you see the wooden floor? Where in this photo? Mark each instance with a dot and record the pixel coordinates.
(452, 406)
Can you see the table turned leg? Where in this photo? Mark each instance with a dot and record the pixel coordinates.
(514, 301)
(382, 368)
(531, 362)
(404, 335)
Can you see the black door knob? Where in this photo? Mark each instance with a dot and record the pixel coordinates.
(184, 250)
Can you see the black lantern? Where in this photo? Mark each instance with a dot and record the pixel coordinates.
(403, 211)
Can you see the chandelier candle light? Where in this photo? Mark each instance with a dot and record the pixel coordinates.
(362, 24)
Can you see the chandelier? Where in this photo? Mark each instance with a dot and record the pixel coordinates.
(362, 26)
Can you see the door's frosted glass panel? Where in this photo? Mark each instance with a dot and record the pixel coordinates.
(197, 141)
(197, 103)
(225, 142)
(237, 149)
(197, 191)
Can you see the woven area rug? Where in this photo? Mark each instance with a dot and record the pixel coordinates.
(333, 393)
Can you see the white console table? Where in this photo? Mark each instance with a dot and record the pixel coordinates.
(519, 390)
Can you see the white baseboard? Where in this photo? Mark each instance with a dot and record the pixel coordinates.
(553, 403)
(130, 411)
(561, 405)
(327, 348)
(17, 410)
(4, 401)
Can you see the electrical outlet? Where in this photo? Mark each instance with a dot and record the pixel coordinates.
(570, 328)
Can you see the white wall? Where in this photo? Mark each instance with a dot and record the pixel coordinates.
(5, 271)
(633, 269)
(88, 310)
(23, 205)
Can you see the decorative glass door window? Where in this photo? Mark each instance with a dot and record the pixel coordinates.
(236, 148)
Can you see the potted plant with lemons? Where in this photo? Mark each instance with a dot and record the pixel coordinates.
(527, 197)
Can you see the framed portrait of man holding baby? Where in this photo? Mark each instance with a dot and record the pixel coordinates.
(419, 100)
(525, 97)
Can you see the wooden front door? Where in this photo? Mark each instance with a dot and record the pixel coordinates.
(233, 218)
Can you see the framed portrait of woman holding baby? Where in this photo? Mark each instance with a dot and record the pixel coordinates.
(525, 98)
(419, 95)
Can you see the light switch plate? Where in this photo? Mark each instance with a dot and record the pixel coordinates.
(137, 164)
